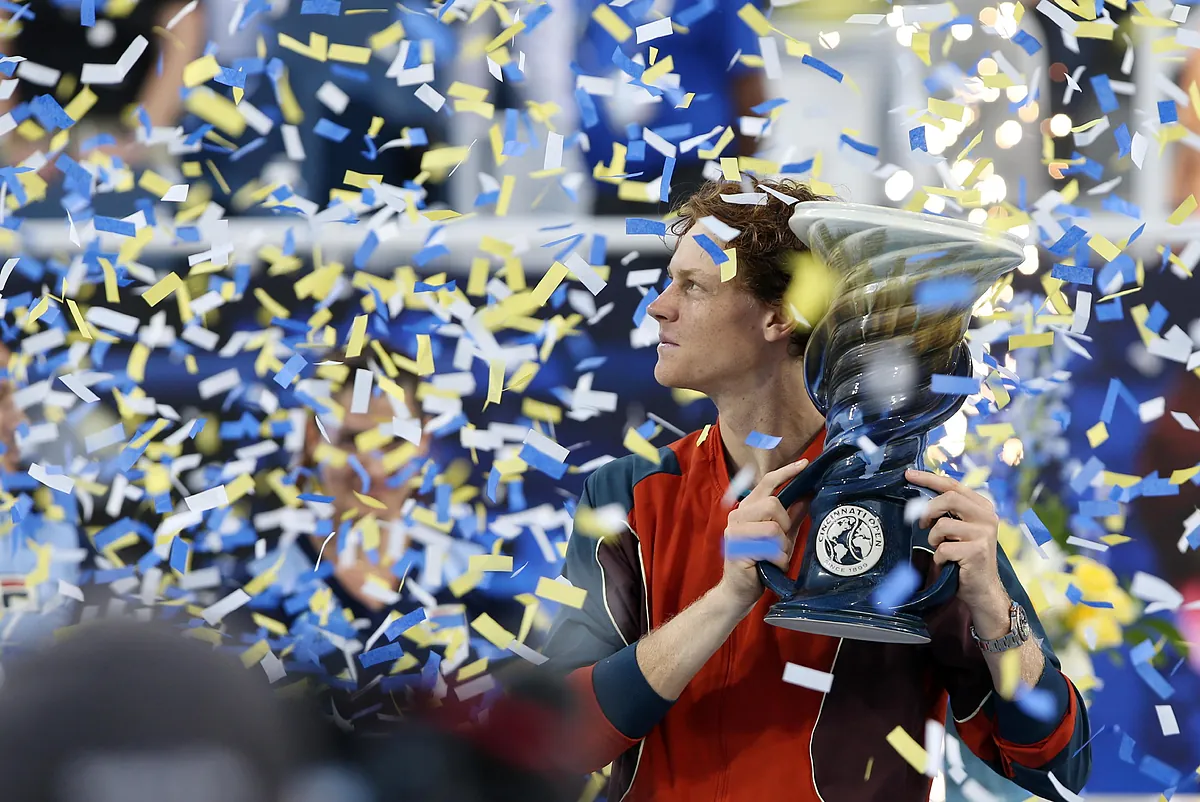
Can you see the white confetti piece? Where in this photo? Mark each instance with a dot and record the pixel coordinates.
(104, 438)
(108, 74)
(1083, 543)
(525, 653)
(218, 610)
(273, 667)
(209, 499)
(291, 142)
(547, 446)
(722, 231)
(935, 739)
(1166, 719)
(1179, 13)
(1151, 410)
(475, 687)
(38, 74)
(222, 382)
(586, 274)
(6, 271)
(332, 97)
(63, 484)
(658, 143)
(1185, 420)
(1138, 148)
(746, 198)
(183, 12)
(176, 194)
(112, 320)
(554, 151)
(654, 30)
(769, 49)
(806, 677)
(1067, 794)
(70, 591)
(1160, 593)
(430, 97)
(361, 400)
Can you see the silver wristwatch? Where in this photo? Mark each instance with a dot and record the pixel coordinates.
(1019, 632)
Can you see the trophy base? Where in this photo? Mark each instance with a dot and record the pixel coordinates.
(852, 624)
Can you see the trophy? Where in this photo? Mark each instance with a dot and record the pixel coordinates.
(907, 284)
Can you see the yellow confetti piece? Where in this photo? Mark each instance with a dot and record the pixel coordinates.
(81, 104)
(1115, 540)
(722, 143)
(729, 266)
(277, 628)
(541, 411)
(549, 283)
(80, 323)
(729, 169)
(750, 15)
(216, 109)
(1097, 434)
(165, 286)
(270, 304)
(492, 631)
(201, 71)
(316, 49)
(1183, 212)
(490, 562)
(495, 381)
(358, 333)
(655, 73)
(239, 487)
(349, 54)
(1102, 246)
(373, 503)
(912, 752)
(556, 591)
(1010, 673)
(1030, 340)
(255, 654)
(424, 355)
(506, 191)
(444, 158)
(467, 91)
(611, 23)
(1095, 30)
(360, 180)
(635, 443)
(471, 670)
(386, 37)
(136, 367)
(1184, 474)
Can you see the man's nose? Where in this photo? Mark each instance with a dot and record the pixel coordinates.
(661, 308)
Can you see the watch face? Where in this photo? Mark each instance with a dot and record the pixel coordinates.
(1022, 627)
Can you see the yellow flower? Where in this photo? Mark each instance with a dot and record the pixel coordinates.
(1099, 584)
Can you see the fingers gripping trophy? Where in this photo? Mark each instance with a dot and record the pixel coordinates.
(869, 368)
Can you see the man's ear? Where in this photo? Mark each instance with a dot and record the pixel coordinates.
(778, 324)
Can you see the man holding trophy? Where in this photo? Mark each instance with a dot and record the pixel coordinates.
(794, 641)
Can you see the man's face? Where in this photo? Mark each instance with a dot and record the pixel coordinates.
(342, 482)
(711, 333)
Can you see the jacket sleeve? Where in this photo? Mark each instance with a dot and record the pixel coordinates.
(1025, 748)
(615, 707)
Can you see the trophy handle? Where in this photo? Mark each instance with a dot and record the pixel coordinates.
(803, 484)
(944, 588)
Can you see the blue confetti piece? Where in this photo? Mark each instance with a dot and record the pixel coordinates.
(588, 116)
(764, 441)
(935, 294)
(364, 477)
(640, 313)
(1156, 318)
(916, 139)
(797, 168)
(114, 226)
(689, 16)
(1074, 274)
(954, 385)
(1026, 42)
(1110, 311)
(1167, 112)
(181, 554)
(331, 130)
(1038, 704)
(404, 623)
(647, 430)
(316, 497)
(664, 187)
(897, 587)
(197, 427)
(1116, 390)
(330, 7)
(1041, 534)
(1141, 656)
(861, 147)
(1115, 203)
(1156, 770)
(817, 64)
(712, 249)
(291, 369)
(1124, 141)
(49, 114)
(383, 654)
(542, 462)
(640, 225)
(1067, 241)
(1104, 93)
(752, 548)
(1125, 752)
(87, 13)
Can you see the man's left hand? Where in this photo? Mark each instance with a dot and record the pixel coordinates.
(965, 527)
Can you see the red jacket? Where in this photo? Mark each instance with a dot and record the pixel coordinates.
(739, 731)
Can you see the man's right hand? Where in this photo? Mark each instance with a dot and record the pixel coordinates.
(761, 515)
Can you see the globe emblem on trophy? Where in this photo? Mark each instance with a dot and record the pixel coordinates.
(849, 541)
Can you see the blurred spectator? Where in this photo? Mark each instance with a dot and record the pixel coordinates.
(36, 547)
(125, 712)
(1187, 159)
(56, 45)
(705, 66)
